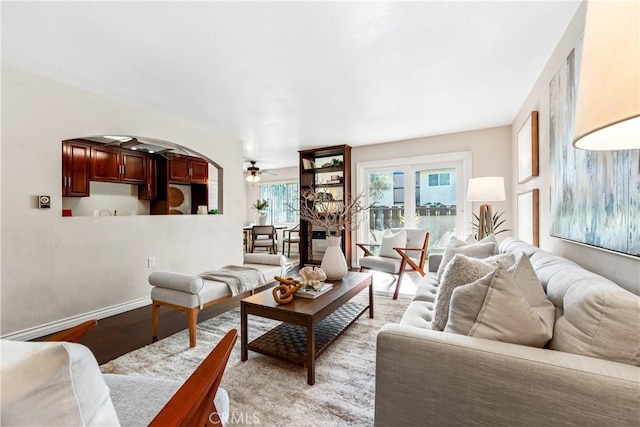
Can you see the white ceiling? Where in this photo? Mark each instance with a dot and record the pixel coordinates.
(281, 76)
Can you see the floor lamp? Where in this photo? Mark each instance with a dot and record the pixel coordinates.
(486, 189)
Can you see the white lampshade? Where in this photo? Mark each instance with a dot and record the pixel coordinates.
(608, 100)
(486, 189)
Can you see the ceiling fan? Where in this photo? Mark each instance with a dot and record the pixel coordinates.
(254, 172)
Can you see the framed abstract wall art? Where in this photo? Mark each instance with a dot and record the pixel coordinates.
(528, 219)
(528, 149)
(595, 195)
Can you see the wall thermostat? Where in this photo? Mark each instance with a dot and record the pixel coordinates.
(44, 202)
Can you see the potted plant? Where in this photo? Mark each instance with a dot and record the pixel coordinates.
(261, 206)
(497, 223)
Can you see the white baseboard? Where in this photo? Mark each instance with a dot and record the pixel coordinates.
(60, 325)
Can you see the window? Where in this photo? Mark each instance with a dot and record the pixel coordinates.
(439, 179)
(280, 198)
(398, 188)
(434, 198)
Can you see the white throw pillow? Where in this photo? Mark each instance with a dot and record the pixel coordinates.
(495, 308)
(460, 271)
(53, 384)
(390, 241)
(491, 238)
(455, 246)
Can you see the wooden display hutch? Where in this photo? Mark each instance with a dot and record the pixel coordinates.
(327, 171)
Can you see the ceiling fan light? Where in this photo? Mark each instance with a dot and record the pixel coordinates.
(253, 178)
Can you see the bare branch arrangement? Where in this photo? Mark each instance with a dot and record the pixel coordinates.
(332, 215)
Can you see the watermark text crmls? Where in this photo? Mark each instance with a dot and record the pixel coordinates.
(234, 417)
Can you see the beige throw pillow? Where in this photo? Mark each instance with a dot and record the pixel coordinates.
(390, 241)
(455, 246)
(491, 238)
(495, 308)
(524, 276)
(460, 271)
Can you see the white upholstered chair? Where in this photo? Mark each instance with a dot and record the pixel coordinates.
(60, 383)
(405, 250)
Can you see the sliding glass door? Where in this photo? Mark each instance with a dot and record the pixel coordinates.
(436, 204)
(421, 193)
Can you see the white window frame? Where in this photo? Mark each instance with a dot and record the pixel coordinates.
(461, 160)
(283, 182)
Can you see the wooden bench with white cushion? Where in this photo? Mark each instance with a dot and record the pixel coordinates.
(191, 293)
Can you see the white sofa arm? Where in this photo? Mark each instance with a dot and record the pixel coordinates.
(434, 262)
(426, 377)
(179, 282)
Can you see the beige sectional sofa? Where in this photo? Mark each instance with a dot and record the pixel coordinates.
(587, 374)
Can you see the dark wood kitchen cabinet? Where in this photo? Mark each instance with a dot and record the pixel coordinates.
(117, 165)
(188, 170)
(149, 190)
(76, 165)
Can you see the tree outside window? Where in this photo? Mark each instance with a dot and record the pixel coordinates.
(279, 197)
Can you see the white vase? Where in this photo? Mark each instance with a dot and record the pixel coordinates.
(262, 218)
(334, 263)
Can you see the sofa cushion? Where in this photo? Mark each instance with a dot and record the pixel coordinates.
(427, 289)
(461, 271)
(516, 247)
(392, 240)
(600, 320)
(596, 317)
(493, 307)
(455, 246)
(418, 314)
(211, 291)
(53, 384)
(553, 268)
(374, 262)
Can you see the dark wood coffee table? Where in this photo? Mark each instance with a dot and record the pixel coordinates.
(310, 325)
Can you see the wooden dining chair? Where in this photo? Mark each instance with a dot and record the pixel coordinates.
(289, 237)
(264, 236)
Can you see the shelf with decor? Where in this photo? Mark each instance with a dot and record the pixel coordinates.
(327, 173)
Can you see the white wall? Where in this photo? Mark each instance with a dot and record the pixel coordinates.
(621, 269)
(54, 268)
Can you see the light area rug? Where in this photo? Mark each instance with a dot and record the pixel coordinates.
(267, 392)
